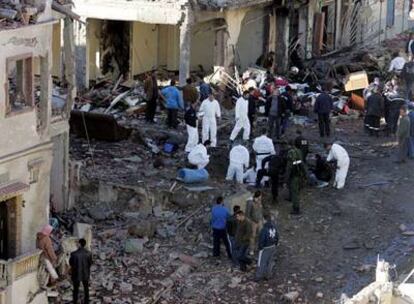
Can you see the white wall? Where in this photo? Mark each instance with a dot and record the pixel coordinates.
(251, 39)
(202, 45)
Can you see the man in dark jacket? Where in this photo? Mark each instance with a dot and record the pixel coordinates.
(219, 216)
(231, 231)
(374, 110)
(151, 92)
(190, 93)
(323, 107)
(274, 114)
(277, 164)
(252, 107)
(80, 262)
(286, 108)
(407, 74)
(243, 235)
(268, 240)
(403, 135)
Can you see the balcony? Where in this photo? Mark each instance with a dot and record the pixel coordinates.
(13, 269)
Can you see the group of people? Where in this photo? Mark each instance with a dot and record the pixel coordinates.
(80, 262)
(245, 232)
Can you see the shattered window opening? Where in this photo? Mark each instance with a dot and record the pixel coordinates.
(19, 86)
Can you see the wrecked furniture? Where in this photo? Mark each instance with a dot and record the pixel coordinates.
(356, 81)
(192, 176)
(97, 126)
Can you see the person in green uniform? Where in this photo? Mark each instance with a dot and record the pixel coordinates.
(296, 176)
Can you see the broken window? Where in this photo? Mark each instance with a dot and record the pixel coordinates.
(10, 223)
(20, 84)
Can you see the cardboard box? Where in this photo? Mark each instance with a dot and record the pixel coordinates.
(356, 81)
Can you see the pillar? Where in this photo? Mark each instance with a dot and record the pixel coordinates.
(272, 32)
(185, 46)
(338, 26)
(81, 55)
(219, 48)
(282, 40)
(234, 20)
(69, 63)
(313, 7)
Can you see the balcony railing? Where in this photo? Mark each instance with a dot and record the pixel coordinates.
(13, 269)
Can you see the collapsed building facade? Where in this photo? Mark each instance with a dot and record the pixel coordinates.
(129, 38)
(34, 144)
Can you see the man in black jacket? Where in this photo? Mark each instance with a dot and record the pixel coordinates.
(374, 110)
(80, 263)
(252, 107)
(323, 107)
(268, 240)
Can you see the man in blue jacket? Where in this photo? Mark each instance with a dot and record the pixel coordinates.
(172, 97)
(268, 240)
(219, 217)
(323, 107)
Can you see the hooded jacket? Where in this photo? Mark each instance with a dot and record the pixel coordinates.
(269, 236)
(44, 243)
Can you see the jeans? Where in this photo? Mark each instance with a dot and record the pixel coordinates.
(242, 258)
(218, 236)
(172, 121)
(76, 285)
(324, 128)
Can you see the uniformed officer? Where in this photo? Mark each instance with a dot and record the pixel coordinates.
(296, 176)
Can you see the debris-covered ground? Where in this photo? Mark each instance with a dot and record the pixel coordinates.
(152, 242)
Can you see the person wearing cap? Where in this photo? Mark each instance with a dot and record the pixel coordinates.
(48, 255)
(403, 135)
(338, 153)
(242, 118)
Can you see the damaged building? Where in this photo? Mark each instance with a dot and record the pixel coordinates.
(34, 113)
(128, 38)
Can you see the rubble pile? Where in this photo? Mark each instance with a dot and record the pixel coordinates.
(17, 13)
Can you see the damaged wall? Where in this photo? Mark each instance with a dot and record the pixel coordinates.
(144, 47)
(202, 45)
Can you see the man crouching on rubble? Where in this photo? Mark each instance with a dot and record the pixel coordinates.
(268, 240)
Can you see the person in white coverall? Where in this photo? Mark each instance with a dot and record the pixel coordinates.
(239, 160)
(263, 147)
(198, 155)
(338, 153)
(242, 119)
(210, 110)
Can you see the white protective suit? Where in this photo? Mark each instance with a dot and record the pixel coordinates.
(242, 119)
(239, 160)
(199, 157)
(210, 111)
(339, 154)
(263, 147)
(192, 138)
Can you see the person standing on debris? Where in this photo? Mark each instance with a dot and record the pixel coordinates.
(190, 93)
(242, 118)
(374, 107)
(268, 240)
(407, 74)
(190, 118)
(151, 93)
(276, 165)
(274, 114)
(239, 161)
(205, 90)
(287, 100)
(252, 108)
(410, 47)
(323, 107)
(80, 266)
(172, 97)
(210, 111)
(296, 176)
(231, 231)
(219, 217)
(254, 212)
(302, 144)
(403, 135)
(48, 256)
(393, 103)
(397, 63)
(263, 146)
(338, 154)
(243, 235)
(198, 156)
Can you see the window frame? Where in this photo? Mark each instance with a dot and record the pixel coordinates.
(31, 102)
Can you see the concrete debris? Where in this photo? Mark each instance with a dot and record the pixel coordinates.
(291, 296)
(135, 245)
(144, 228)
